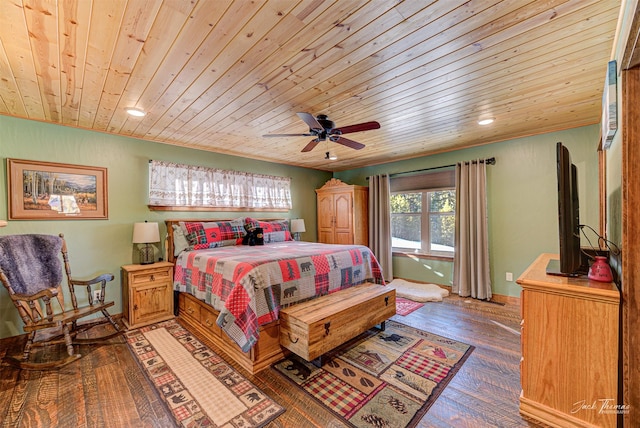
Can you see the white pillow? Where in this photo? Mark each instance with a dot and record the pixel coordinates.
(179, 240)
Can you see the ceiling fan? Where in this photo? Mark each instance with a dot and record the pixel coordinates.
(322, 128)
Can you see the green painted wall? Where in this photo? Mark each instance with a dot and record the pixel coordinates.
(98, 246)
(423, 270)
(522, 204)
(522, 201)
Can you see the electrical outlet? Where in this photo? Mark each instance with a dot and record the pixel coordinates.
(509, 276)
(96, 295)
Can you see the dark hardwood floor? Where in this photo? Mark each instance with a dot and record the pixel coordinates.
(107, 389)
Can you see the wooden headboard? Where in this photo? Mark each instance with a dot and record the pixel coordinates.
(171, 222)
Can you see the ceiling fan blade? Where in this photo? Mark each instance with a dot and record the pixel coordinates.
(366, 126)
(347, 142)
(311, 145)
(288, 135)
(311, 121)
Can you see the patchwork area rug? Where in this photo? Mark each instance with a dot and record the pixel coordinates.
(418, 292)
(382, 378)
(200, 389)
(405, 306)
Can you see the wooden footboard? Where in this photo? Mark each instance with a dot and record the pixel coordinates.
(201, 318)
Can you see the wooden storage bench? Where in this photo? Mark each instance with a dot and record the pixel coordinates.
(317, 326)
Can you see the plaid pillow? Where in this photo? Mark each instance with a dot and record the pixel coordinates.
(273, 231)
(213, 234)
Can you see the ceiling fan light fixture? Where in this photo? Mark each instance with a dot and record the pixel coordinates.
(487, 121)
(136, 112)
(330, 156)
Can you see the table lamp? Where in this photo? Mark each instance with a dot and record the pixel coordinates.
(297, 226)
(146, 233)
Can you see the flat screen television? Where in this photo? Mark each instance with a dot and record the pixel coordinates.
(571, 262)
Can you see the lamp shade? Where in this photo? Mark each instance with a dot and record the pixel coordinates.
(297, 225)
(3, 223)
(145, 233)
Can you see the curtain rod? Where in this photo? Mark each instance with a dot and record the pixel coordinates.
(488, 161)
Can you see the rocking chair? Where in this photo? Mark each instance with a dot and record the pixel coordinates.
(31, 271)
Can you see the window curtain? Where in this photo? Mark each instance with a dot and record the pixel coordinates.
(380, 223)
(471, 275)
(178, 185)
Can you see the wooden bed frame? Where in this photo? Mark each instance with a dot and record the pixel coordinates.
(201, 319)
(348, 312)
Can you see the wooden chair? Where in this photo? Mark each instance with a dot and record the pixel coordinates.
(31, 271)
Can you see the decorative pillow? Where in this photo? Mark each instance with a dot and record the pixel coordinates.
(180, 242)
(253, 237)
(201, 235)
(250, 233)
(273, 231)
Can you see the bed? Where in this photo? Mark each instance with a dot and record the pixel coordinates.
(233, 293)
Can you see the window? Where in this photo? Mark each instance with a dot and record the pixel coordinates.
(424, 222)
(423, 211)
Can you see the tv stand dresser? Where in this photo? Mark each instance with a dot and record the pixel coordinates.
(569, 365)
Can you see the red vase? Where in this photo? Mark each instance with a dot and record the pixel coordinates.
(600, 270)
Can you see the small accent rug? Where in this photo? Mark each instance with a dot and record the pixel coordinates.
(405, 306)
(381, 378)
(418, 292)
(200, 389)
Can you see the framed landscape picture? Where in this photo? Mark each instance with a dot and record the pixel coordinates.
(56, 191)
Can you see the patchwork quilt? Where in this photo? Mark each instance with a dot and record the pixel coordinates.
(249, 285)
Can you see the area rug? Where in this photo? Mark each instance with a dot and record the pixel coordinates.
(200, 389)
(418, 292)
(382, 378)
(405, 306)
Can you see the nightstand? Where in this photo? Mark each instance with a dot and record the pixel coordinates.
(147, 293)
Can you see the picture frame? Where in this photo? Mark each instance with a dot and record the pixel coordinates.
(56, 191)
(610, 105)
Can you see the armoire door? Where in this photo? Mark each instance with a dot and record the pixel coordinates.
(343, 214)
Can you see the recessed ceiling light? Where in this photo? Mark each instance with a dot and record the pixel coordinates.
(487, 121)
(136, 112)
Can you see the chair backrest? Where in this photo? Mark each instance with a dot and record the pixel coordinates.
(31, 263)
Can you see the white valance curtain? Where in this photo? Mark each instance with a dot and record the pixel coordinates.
(178, 185)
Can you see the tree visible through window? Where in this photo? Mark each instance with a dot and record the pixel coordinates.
(424, 221)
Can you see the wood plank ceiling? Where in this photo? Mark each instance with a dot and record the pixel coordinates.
(218, 74)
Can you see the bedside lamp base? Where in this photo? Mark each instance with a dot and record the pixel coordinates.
(146, 255)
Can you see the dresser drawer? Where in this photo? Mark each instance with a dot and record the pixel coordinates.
(152, 275)
(208, 319)
(191, 308)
